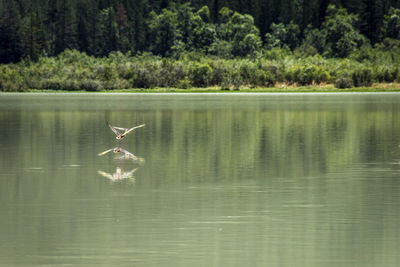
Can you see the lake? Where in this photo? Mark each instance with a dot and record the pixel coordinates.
(217, 180)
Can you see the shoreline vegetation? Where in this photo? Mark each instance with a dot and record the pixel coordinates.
(188, 49)
(326, 88)
(279, 88)
(277, 70)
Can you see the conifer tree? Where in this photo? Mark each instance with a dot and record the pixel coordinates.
(123, 28)
(65, 36)
(10, 34)
(83, 26)
(33, 40)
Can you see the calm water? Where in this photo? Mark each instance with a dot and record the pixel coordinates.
(225, 180)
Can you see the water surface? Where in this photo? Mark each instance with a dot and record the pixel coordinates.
(226, 180)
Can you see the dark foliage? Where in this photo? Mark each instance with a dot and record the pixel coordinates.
(30, 29)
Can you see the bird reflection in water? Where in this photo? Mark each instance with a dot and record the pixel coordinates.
(122, 156)
(119, 175)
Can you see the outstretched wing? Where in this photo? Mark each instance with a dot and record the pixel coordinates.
(126, 152)
(107, 175)
(133, 128)
(105, 152)
(130, 174)
(114, 130)
(119, 128)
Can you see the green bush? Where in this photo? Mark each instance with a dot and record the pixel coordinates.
(320, 75)
(59, 84)
(31, 83)
(200, 74)
(306, 74)
(386, 74)
(51, 84)
(362, 77)
(127, 72)
(233, 80)
(343, 82)
(170, 73)
(90, 85)
(184, 83)
(219, 71)
(9, 86)
(298, 74)
(262, 78)
(108, 73)
(144, 79)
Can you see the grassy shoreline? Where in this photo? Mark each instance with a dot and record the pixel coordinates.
(326, 88)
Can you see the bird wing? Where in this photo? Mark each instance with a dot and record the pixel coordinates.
(130, 174)
(107, 175)
(105, 152)
(126, 152)
(120, 128)
(133, 128)
(113, 129)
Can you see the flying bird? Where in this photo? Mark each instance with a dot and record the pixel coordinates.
(115, 150)
(119, 135)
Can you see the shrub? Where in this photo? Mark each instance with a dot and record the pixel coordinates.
(219, 72)
(59, 84)
(108, 73)
(299, 74)
(90, 85)
(171, 73)
(32, 83)
(51, 84)
(386, 74)
(343, 82)
(9, 86)
(362, 77)
(233, 79)
(320, 75)
(200, 74)
(304, 75)
(397, 71)
(144, 79)
(262, 78)
(184, 83)
(127, 72)
(246, 69)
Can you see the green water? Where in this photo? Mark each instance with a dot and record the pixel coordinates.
(226, 180)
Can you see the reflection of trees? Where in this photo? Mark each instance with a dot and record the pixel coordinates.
(285, 171)
(248, 143)
(218, 140)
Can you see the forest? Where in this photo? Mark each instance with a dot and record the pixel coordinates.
(114, 44)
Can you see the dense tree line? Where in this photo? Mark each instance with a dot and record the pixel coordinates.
(235, 28)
